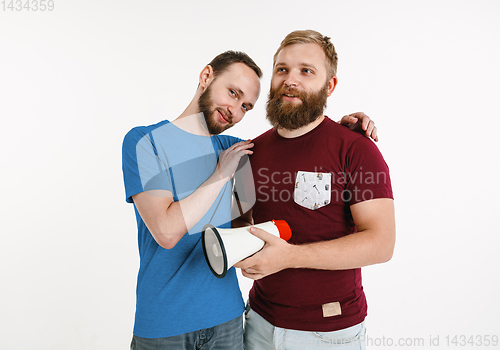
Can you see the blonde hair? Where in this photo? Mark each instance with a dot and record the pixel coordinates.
(312, 36)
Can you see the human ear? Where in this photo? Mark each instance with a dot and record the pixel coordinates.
(206, 76)
(332, 83)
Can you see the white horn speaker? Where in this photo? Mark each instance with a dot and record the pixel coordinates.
(225, 247)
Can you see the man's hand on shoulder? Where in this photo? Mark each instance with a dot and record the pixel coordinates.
(361, 123)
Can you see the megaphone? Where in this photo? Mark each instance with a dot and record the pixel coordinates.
(225, 247)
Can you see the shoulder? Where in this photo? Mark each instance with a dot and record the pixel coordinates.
(348, 138)
(363, 143)
(364, 153)
(264, 136)
(340, 131)
(353, 144)
(225, 141)
(134, 135)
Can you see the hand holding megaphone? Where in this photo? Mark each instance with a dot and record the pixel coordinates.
(225, 247)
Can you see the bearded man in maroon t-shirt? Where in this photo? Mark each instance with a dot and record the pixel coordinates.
(333, 188)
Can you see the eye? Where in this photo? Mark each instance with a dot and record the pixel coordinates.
(244, 106)
(280, 69)
(232, 92)
(307, 71)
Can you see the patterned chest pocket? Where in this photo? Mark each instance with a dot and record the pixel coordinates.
(312, 190)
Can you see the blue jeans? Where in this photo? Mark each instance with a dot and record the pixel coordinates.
(226, 336)
(261, 335)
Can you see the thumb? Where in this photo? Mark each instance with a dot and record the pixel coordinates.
(262, 234)
(348, 120)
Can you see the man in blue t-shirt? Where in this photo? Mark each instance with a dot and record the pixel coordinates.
(177, 175)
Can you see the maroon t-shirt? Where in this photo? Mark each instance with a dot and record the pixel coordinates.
(311, 181)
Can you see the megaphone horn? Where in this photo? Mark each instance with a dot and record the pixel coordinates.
(225, 247)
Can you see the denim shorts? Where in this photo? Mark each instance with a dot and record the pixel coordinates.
(226, 336)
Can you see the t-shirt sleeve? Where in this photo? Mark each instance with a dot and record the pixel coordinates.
(226, 141)
(367, 173)
(142, 169)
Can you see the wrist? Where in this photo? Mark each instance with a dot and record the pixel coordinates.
(220, 176)
(215, 180)
(293, 256)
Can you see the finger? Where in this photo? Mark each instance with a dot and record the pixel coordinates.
(353, 120)
(246, 146)
(245, 264)
(242, 264)
(253, 276)
(345, 120)
(359, 115)
(370, 127)
(374, 134)
(244, 142)
(262, 234)
(365, 123)
(241, 152)
(243, 146)
(239, 144)
(251, 270)
(350, 119)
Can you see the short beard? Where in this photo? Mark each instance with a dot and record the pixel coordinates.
(285, 115)
(205, 104)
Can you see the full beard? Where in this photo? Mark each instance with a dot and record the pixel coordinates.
(289, 116)
(205, 104)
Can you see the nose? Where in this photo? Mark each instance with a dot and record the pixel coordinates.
(291, 79)
(233, 111)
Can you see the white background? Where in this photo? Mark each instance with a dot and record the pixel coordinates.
(74, 80)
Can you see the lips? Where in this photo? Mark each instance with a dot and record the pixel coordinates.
(223, 117)
(290, 95)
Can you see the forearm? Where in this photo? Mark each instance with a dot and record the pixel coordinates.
(167, 220)
(195, 206)
(372, 244)
(353, 251)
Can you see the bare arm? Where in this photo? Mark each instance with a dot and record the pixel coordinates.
(168, 220)
(372, 244)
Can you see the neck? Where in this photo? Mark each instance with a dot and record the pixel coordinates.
(288, 134)
(191, 120)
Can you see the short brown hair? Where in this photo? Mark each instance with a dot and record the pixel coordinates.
(312, 36)
(222, 62)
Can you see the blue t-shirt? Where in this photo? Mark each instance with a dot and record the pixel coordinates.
(176, 292)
